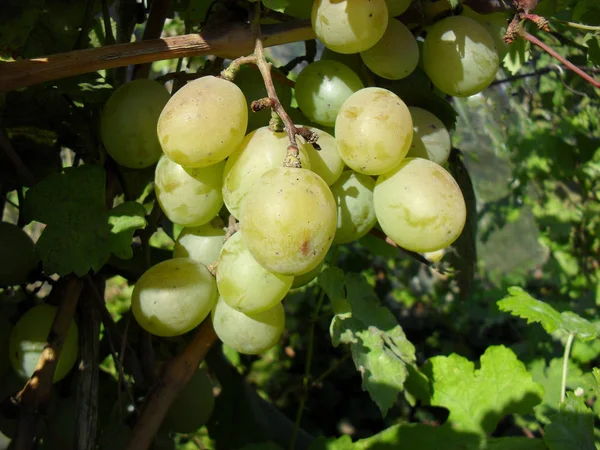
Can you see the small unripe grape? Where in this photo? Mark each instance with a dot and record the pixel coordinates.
(202, 244)
(397, 7)
(193, 406)
(17, 255)
(431, 139)
(327, 162)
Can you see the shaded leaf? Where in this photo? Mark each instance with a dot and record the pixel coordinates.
(573, 426)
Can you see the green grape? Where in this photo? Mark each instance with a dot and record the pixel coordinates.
(327, 162)
(352, 60)
(288, 220)
(435, 256)
(395, 55)
(246, 285)
(188, 196)
(28, 339)
(419, 205)
(193, 406)
(260, 151)
(460, 56)
(431, 139)
(397, 7)
(349, 26)
(17, 255)
(322, 87)
(173, 297)
(128, 123)
(303, 280)
(353, 193)
(203, 122)
(202, 244)
(249, 335)
(373, 131)
(495, 23)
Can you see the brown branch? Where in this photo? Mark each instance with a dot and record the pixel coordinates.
(175, 375)
(11, 153)
(35, 396)
(229, 42)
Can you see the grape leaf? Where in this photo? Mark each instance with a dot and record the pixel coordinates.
(380, 349)
(19, 17)
(593, 43)
(573, 426)
(517, 56)
(124, 220)
(583, 328)
(478, 399)
(276, 5)
(521, 304)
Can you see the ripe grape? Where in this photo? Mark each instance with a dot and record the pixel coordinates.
(327, 162)
(29, 337)
(260, 151)
(203, 122)
(173, 297)
(349, 26)
(193, 406)
(128, 123)
(188, 196)
(250, 335)
(304, 279)
(202, 244)
(288, 220)
(431, 139)
(397, 7)
(419, 205)
(352, 60)
(322, 87)
(495, 23)
(353, 193)
(373, 131)
(460, 56)
(17, 255)
(395, 55)
(246, 285)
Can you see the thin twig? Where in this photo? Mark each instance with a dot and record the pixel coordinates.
(580, 26)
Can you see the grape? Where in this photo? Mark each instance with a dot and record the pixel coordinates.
(495, 23)
(193, 406)
(203, 123)
(349, 26)
(353, 193)
(303, 280)
(28, 339)
(288, 220)
(459, 56)
(419, 205)
(246, 285)
(250, 335)
(189, 196)
(173, 297)
(373, 131)
(202, 244)
(17, 255)
(352, 60)
(435, 256)
(128, 123)
(431, 139)
(397, 7)
(395, 55)
(327, 162)
(260, 151)
(322, 87)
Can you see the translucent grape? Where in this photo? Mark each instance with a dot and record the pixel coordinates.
(495, 23)
(246, 285)
(395, 55)
(322, 87)
(288, 220)
(28, 339)
(202, 244)
(128, 123)
(327, 162)
(373, 131)
(173, 297)
(193, 406)
(17, 255)
(397, 7)
(352, 60)
(203, 122)
(349, 26)
(419, 205)
(189, 196)
(249, 335)
(431, 139)
(260, 151)
(460, 56)
(353, 193)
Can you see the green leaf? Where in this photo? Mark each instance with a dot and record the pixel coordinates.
(593, 43)
(573, 426)
(584, 329)
(380, 349)
(19, 17)
(478, 399)
(276, 5)
(517, 56)
(454, 3)
(521, 304)
(124, 220)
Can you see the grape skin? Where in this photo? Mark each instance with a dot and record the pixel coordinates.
(374, 131)
(322, 87)
(419, 205)
(128, 123)
(495, 23)
(202, 244)
(460, 56)
(327, 162)
(249, 335)
(349, 26)
(289, 220)
(304, 279)
(173, 297)
(431, 139)
(193, 406)
(203, 122)
(17, 255)
(397, 7)
(188, 196)
(246, 285)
